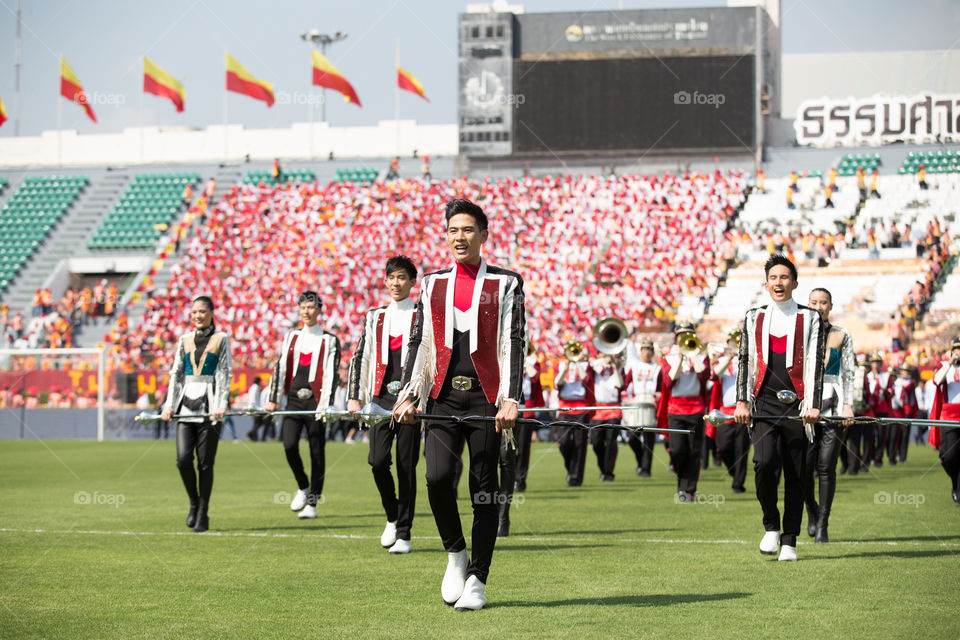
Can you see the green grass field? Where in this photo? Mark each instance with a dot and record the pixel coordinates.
(608, 560)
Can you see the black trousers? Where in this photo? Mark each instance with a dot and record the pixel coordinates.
(523, 433)
(292, 427)
(642, 444)
(604, 443)
(867, 445)
(950, 455)
(441, 448)
(733, 445)
(573, 447)
(882, 441)
(898, 439)
(202, 438)
(853, 440)
(508, 478)
(821, 464)
(780, 445)
(708, 448)
(399, 502)
(685, 449)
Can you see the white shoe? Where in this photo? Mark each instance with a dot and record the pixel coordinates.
(770, 542)
(787, 554)
(453, 578)
(473, 597)
(309, 511)
(400, 546)
(299, 500)
(389, 535)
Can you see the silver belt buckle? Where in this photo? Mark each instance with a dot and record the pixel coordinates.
(304, 394)
(461, 383)
(393, 388)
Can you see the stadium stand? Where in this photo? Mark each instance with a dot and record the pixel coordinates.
(361, 174)
(29, 215)
(144, 210)
(287, 175)
(939, 161)
(848, 165)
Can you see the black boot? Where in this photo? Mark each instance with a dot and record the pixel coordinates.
(192, 514)
(203, 522)
(822, 533)
(812, 522)
(503, 530)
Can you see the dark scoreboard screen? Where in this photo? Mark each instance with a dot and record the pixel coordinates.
(634, 104)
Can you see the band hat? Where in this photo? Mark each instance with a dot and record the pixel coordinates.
(684, 327)
(875, 358)
(956, 343)
(647, 343)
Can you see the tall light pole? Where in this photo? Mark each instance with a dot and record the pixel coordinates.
(314, 37)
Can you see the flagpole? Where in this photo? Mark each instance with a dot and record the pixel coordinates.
(225, 93)
(141, 112)
(60, 120)
(396, 98)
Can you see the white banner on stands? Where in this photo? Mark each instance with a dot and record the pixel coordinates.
(851, 122)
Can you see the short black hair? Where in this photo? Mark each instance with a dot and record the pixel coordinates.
(206, 300)
(309, 296)
(822, 290)
(462, 205)
(778, 259)
(401, 263)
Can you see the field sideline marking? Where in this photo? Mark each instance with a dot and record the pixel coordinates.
(267, 534)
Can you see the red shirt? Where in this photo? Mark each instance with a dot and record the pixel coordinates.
(463, 285)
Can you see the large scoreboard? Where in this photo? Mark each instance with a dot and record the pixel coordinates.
(616, 82)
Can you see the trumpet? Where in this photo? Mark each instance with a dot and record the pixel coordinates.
(690, 344)
(573, 351)
(734, 336)
(610, 336)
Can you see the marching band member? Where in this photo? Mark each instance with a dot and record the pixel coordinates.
(946, 406)
(515, 460)
(683, 401)
(608, 388)
(733, 441)
(575, 388)
(643, 373)
(903, 404)
(822, 453)
(532, 398)
(850, 459)
(199, 384)
(306, 373)
(781, 349)
(465, 358)
(375, 372)
(878, 388)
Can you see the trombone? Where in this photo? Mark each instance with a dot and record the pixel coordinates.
(690, 344)
(573, 351)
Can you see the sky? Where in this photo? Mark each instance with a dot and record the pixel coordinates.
(104, 41)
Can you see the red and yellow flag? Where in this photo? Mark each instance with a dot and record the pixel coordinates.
(242, 81)
(3, 113)
(326, 75)
(71, 89)
(160, 83)
(408, 82)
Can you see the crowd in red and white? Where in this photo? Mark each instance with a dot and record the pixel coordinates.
(648, 240)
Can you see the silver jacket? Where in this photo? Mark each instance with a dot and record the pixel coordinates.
(213, 387)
